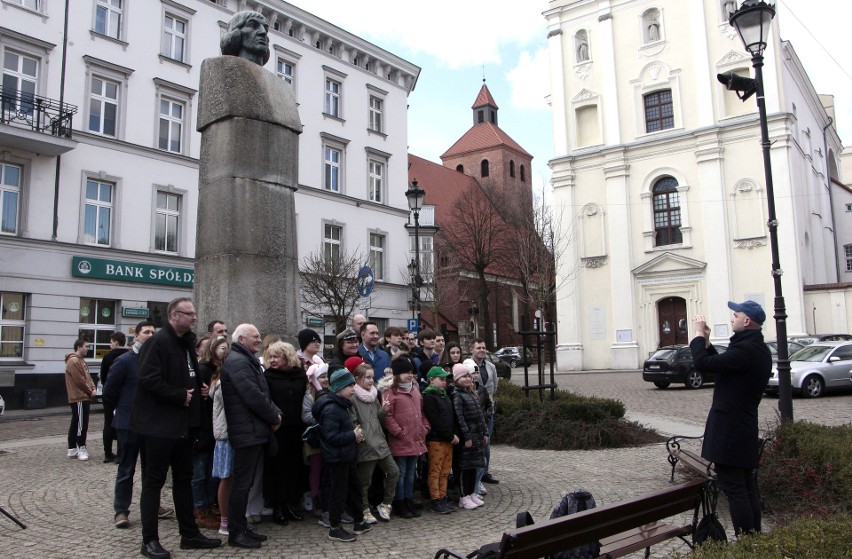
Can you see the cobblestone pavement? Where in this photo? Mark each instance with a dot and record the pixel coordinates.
(67, 503)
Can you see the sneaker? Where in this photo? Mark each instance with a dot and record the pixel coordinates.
(346, 518)
(438, 507)
(121, 520)
(72, 452)
(466, 503)
(323, 521)
(164, 512)
(341, 535)
(476, 500)
(449, 505)
(481, 490)
(307, 502)
(223, 529)
(368, 517)
(384, 512)
(254, 519)
(361, 527)
(267, 511)
(82, 453)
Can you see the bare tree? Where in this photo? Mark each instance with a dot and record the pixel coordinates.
(538, 251)
(477, 235)
(330, 285)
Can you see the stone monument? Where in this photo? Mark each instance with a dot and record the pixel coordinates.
(246, 267)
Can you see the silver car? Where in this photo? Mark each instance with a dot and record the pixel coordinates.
(817, 368)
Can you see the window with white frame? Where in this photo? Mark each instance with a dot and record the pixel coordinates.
(376, 114)
(174, 37)
(20, 83)
(167, 222)
(34, 5)
(427, 255)
(659, 111)
(332, 242)
(377, 255)
(286, 70)
(667, 212)
(332, 97)
(848, 250)
(103, 106)
(171, 125)
(12, 324)
(377, 180)
(97, 213)
(10, 197)
(108, 14)
(97, 324)
(332, 162)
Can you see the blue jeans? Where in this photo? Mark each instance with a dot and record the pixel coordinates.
(129, 447)
(203, 487)
(407, 468)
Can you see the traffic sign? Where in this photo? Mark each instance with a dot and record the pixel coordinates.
(413, 325)
(365, 281)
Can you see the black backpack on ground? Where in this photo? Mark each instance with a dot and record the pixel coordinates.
(571, 503)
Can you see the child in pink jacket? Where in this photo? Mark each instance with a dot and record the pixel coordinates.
(407, 428)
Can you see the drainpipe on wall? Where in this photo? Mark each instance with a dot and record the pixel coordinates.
(831, 202)
(61, 103)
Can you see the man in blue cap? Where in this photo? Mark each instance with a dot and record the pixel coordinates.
(731, 435)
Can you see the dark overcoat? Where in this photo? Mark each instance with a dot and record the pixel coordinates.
(731, 436)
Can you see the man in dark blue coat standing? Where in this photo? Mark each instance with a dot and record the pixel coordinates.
(731, 437)
(252, 418)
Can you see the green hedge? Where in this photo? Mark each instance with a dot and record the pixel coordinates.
(807, 471)
(824, 538)
(570, 422)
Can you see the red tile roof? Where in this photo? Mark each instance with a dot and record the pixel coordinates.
(481, 137)
(484, 98)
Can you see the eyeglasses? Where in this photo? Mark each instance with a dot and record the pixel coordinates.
(187, 313)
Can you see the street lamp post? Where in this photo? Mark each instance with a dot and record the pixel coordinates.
(415, 197)
(753, 21)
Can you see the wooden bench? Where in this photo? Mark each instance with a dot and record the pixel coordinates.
(622, 528)
(689, 459)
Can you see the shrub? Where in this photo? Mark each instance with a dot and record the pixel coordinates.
(807, 471)
(824, 538)
(570, 422)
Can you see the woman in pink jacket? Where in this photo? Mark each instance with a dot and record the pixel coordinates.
(407, 428)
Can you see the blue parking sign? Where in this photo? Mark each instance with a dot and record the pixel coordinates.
(413, 325)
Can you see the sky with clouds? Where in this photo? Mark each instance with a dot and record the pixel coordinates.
(457, 42)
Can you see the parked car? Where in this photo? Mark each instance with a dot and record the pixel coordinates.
(674, 364)
(503, 369)
(807, 340)
(816, 369)
(792, 347)
(512, 356)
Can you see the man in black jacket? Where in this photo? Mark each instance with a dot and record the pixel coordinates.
(117, 343)
(252, 418)
(166, 412)
(731, 435)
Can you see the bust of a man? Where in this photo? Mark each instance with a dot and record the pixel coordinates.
(247, 37)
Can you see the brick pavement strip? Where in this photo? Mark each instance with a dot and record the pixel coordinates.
(68, 504)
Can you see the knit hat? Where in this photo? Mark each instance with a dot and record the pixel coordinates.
(347, 334)
(471, 365)
(340, 379)
(352, 362)
(307, 336)
(437, 372)
(316, 371)
(460, 370)
(402, 365)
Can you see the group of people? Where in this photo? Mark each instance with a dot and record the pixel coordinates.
(250, 426)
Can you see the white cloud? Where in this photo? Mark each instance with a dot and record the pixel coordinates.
(458, 33)
(530, 80)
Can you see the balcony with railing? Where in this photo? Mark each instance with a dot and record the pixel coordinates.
(35, 124)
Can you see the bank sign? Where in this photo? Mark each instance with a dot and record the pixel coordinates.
(99, 268)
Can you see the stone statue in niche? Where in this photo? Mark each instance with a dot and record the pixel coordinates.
(582, 49)
(653, 31)
(730, 6)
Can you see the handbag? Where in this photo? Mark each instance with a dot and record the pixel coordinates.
(709, 527)
(311, 435)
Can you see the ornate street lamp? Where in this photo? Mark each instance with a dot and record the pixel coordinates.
(753, 21)
(415, 196)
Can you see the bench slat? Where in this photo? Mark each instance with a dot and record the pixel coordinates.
(640, 538)
(570, 531)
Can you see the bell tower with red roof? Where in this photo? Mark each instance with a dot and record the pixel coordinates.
(489, 155)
